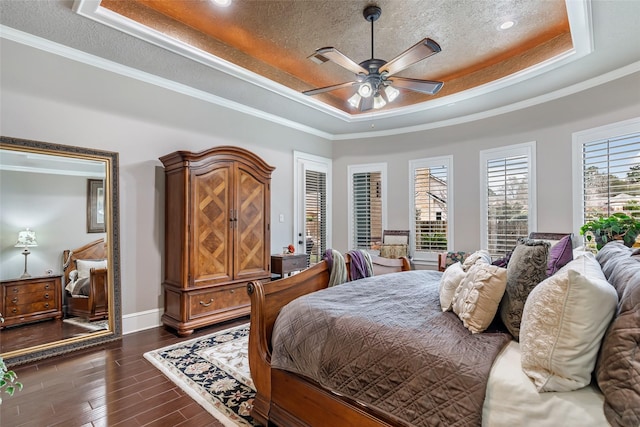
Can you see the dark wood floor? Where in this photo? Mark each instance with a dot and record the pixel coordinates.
(17, 337)
(108, 385)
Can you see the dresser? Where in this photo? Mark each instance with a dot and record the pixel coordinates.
(282, 264)
(217, 234)
(30, 299)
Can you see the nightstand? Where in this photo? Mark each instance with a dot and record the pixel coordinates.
(282, 264)
(30, 299)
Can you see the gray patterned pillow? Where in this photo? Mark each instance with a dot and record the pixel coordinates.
(527, 267)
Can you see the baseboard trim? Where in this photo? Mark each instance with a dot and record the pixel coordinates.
(141, 321)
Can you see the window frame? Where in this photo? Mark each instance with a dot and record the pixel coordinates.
(365, 168)
(527, 149)
(426, 163)
(579, 139)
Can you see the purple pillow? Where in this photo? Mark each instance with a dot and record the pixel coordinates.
(559, 255)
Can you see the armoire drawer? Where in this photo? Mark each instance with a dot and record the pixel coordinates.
(215, 300)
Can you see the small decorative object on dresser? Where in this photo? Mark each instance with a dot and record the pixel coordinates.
(30, 299)
(217, 234)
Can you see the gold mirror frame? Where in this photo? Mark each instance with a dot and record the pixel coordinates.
(112, 223)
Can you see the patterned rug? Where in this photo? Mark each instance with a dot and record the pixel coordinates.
(214, 371)
(98, 325)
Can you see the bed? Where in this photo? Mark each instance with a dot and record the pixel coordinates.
(287, 397)
(86, 281)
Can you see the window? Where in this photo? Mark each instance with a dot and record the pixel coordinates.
(367, 209)
(508, 196)
(606, 171)
(312, 207)
(315, 211)
(431, 208)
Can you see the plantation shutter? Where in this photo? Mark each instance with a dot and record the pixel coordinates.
(430, 203)
(315, 207)
(611, 177)
(367, 209)
(508, 202)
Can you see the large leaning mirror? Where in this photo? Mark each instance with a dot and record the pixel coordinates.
(59, 257)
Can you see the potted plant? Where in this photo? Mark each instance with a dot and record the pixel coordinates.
(8, 379)
(618, 226)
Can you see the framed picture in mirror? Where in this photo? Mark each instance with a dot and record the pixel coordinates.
(95, 206)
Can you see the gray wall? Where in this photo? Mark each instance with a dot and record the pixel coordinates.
(49, 98)
(551, 125)
(54, 206)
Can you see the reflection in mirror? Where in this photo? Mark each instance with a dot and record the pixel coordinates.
(59, 258)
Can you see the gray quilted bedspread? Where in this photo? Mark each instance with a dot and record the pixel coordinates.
(385, 342)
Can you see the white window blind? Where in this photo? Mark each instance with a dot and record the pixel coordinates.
(315, 214)
(367, 194)
(611, 177)
(509, 193)
(430, 205)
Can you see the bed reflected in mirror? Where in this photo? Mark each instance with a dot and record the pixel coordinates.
(59, 259)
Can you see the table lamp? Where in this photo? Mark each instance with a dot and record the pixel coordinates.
(26, 239)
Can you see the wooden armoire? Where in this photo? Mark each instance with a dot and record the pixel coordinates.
(217, 234)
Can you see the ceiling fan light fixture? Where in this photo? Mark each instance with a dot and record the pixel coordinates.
(372, 76)
(378, 101)
(354, 100)
(391, 93)
(365, 90)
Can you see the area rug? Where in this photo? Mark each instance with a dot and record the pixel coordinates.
(214, 371)
(98, 325)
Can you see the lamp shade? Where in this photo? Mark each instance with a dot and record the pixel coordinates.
(26, 238)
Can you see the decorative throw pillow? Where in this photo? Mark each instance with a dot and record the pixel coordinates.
(478, 257)
(84, 266)
(449, 282)
(82, 287)
(563, 323)
(504, 261)
(618, 366)
(527, 267)
(559, 255)
(477, 298)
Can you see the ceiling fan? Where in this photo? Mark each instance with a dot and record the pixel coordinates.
(375, 78)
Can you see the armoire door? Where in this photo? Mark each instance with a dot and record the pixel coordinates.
(212, 224)
(252, 221)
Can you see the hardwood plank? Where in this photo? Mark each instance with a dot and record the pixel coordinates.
(107, 385)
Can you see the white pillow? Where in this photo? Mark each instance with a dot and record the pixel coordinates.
(478, 257)
(85, 265)
(563, 322)
(477, 298)
(449, 282)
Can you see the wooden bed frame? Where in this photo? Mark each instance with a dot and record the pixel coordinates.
(286, 399)
(96, 306)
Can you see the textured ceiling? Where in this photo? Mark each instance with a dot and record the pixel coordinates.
(274, 38)
(478, 63)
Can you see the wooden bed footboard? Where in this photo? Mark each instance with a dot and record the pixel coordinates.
(266, 302)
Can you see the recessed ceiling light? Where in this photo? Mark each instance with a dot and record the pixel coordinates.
(506, 25)
(223, 3)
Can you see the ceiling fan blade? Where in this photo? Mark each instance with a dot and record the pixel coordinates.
(328, 88)
(332, 54)
(421, 50)
(424, 86)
